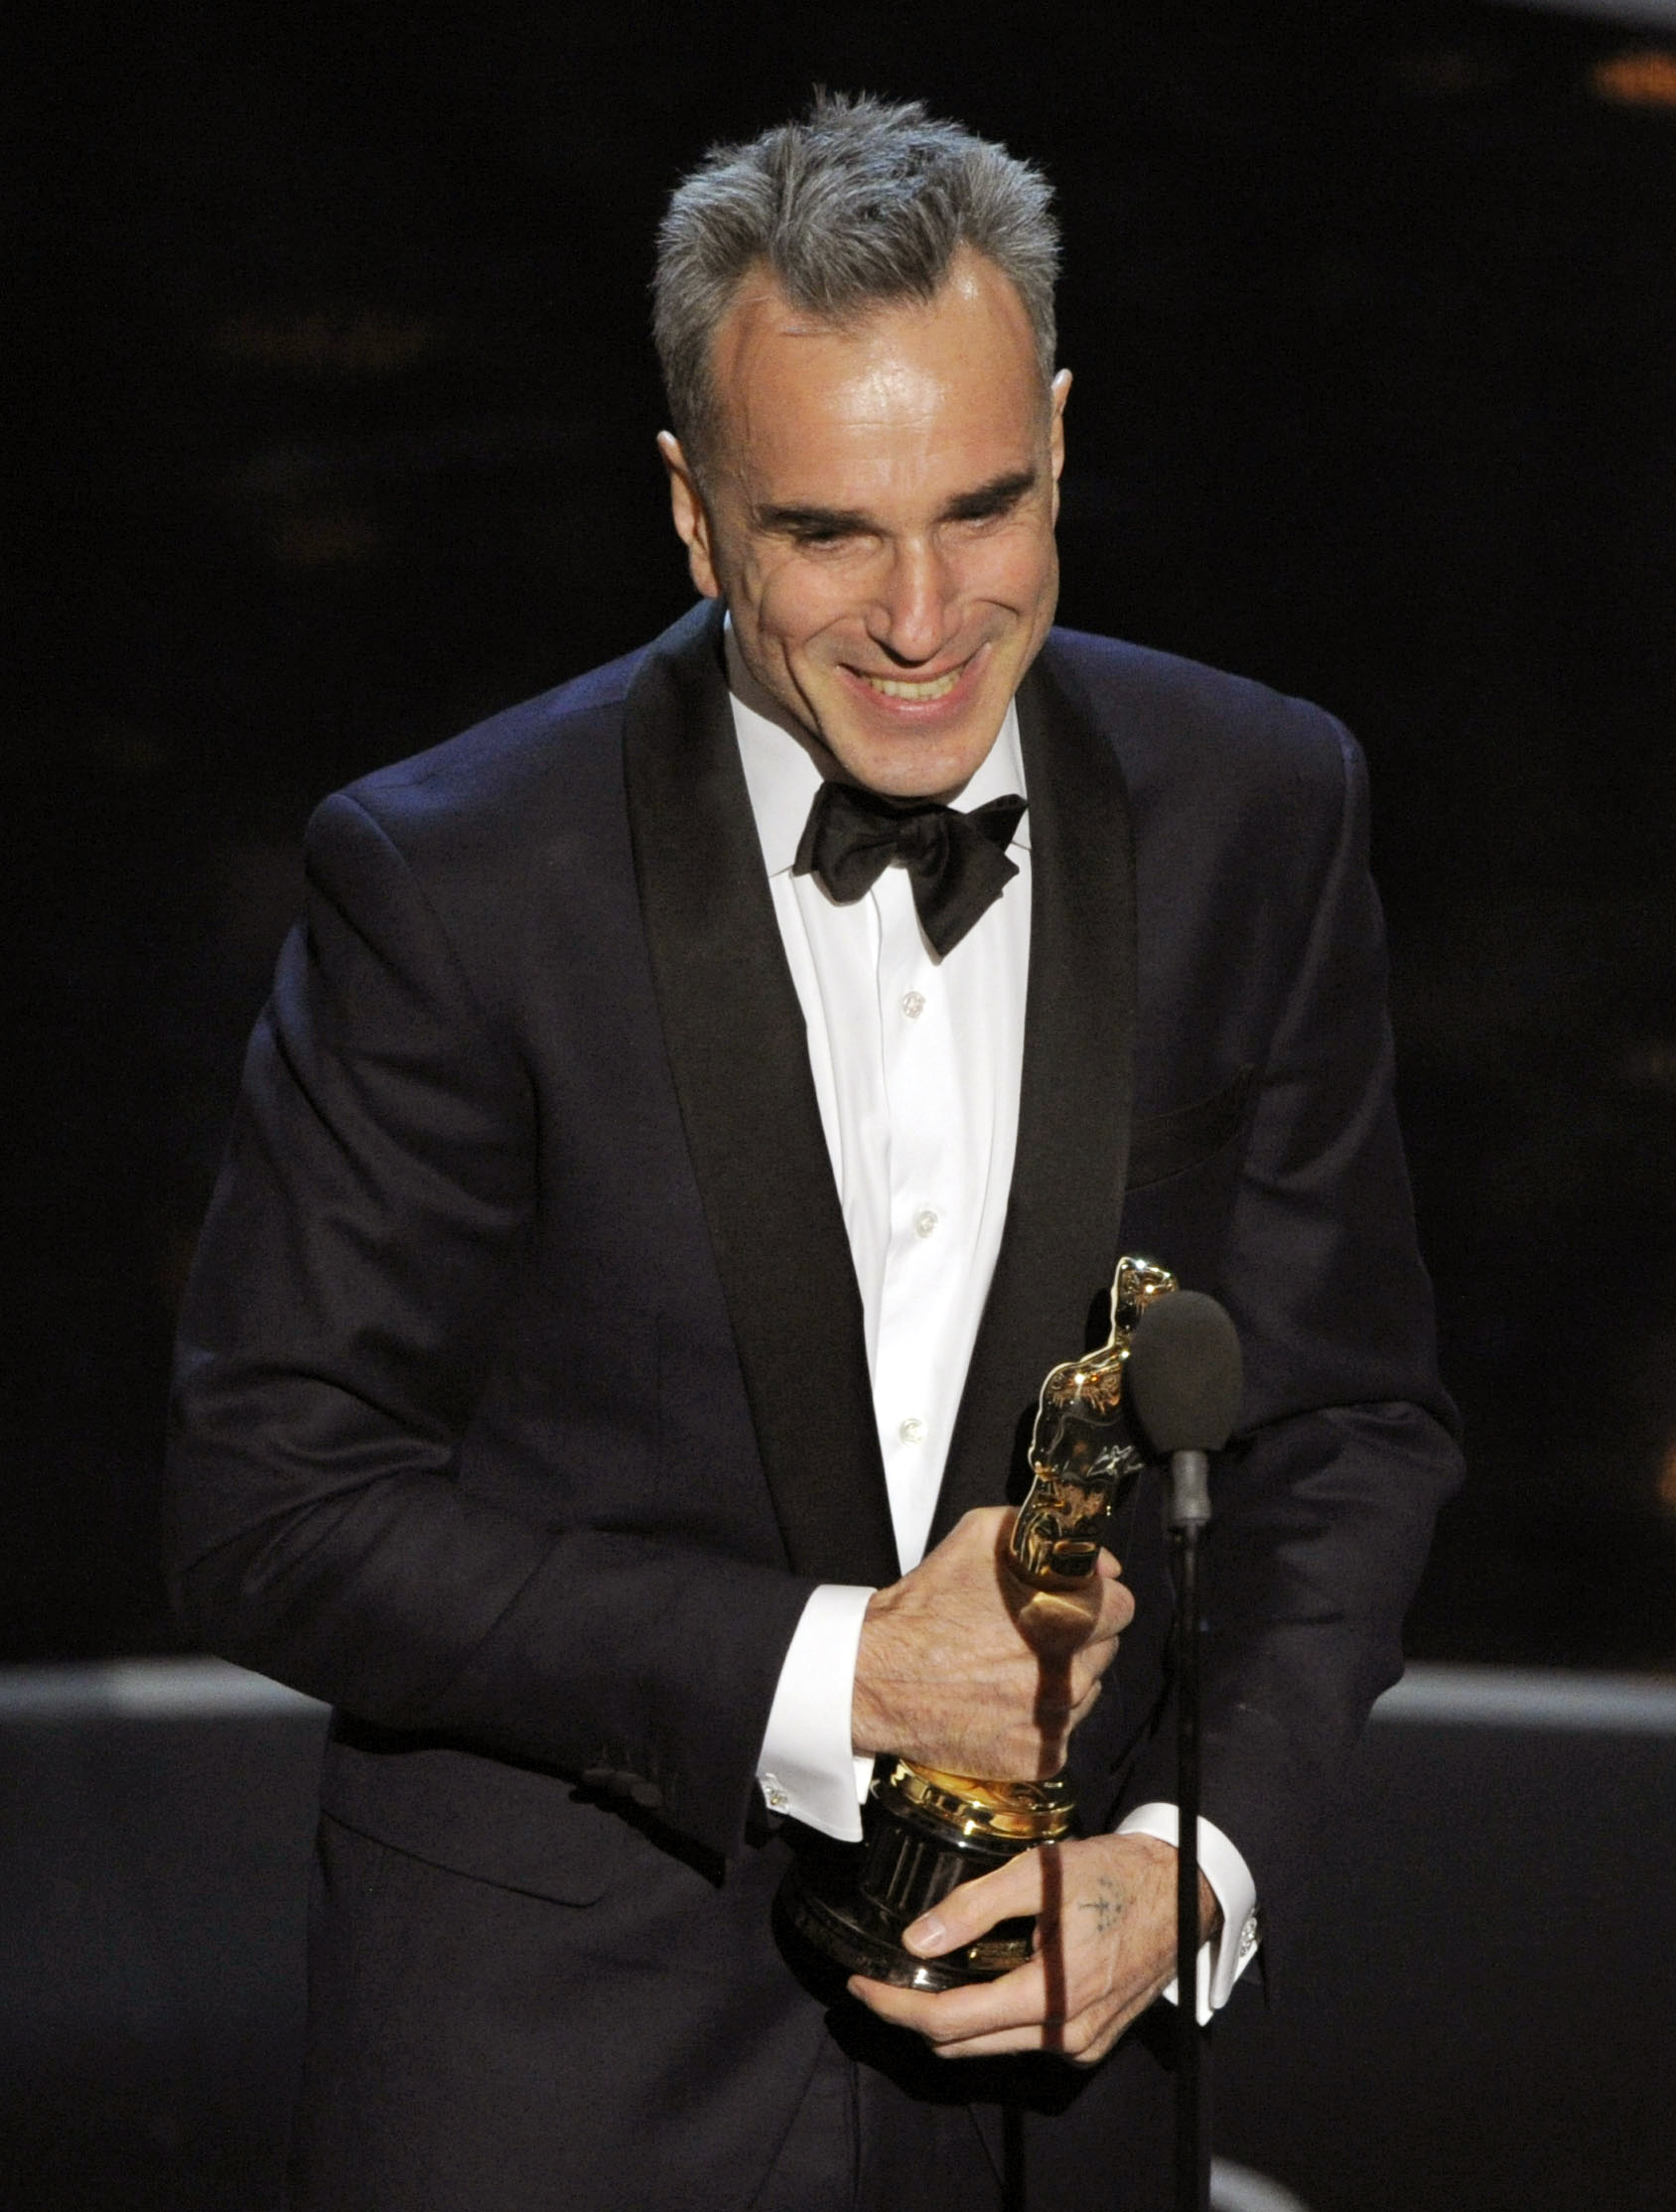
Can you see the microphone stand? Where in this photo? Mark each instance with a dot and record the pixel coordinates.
(1185, 1375)
(1190, 1510)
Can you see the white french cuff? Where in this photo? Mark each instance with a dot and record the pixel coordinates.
(1225, 1957)
(806, 1768)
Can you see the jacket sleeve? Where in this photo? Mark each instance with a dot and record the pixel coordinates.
(348, 1294)
(1324, 1505)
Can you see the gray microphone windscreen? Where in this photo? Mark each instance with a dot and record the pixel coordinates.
(1183, 1373)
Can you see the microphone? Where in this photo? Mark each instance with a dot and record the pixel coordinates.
(1184, 1377)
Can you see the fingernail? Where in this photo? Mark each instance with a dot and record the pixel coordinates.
(927, 1936)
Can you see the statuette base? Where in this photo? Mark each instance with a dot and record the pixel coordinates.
(926, 1833)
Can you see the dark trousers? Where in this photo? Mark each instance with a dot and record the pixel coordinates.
(469, 2047)
(862, 2142)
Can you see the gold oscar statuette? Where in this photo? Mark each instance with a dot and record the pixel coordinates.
(923, 1832)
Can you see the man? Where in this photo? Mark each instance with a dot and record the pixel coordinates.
(675, 1151)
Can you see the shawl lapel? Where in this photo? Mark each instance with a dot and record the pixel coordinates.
(734, 1031)
(1059, 1246)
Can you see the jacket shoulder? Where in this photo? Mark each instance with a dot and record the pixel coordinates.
(510, 770)
(1167, 715)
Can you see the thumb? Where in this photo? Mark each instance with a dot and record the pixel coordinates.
(1010, 1893)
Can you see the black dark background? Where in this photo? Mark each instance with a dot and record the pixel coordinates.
(332, 431)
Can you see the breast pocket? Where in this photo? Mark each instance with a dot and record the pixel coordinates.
(1183, 1169)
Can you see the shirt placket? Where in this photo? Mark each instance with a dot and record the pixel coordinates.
(928, 1145)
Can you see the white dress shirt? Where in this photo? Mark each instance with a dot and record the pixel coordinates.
(917, 1063)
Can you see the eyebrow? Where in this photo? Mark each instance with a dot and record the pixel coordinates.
(994, 498)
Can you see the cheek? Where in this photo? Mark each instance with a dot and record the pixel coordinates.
(1016, 571)
(796, 604)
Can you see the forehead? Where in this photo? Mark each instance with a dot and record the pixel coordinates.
(934, 395)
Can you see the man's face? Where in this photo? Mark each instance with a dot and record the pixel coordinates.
(880, 521)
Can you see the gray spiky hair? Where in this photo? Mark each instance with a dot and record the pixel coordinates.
(862, 204)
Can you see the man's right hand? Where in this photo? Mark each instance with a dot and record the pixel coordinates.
(964, 1668)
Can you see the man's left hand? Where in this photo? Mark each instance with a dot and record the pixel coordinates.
(1105, 1948)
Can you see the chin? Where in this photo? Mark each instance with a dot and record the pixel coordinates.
(899, 770)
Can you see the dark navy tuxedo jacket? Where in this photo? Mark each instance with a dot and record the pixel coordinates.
(523, 1396)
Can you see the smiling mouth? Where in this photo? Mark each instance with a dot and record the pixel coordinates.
(918, 689)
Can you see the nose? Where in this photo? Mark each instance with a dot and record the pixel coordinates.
(911, 615)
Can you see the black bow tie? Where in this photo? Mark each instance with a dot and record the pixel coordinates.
(957, 861)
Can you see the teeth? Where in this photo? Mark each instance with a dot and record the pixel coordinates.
(930, 687)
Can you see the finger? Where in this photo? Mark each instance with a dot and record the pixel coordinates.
(1059, 1702)
(1082, 2032)
(1117, 1609)
(1062, 1619)
(1015, 2004)
(1082, 2042)
(986, 1529)
(1011, 1892)
(1081, 1709)
(1016, 2018)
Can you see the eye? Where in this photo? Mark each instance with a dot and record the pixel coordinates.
(826, 537)
(996, 510)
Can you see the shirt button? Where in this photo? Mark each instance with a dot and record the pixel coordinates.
(912, 1430)
(924, 1221)
(913, 1004)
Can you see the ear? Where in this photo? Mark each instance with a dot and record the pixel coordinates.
(691, 517)
(1057, 392)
